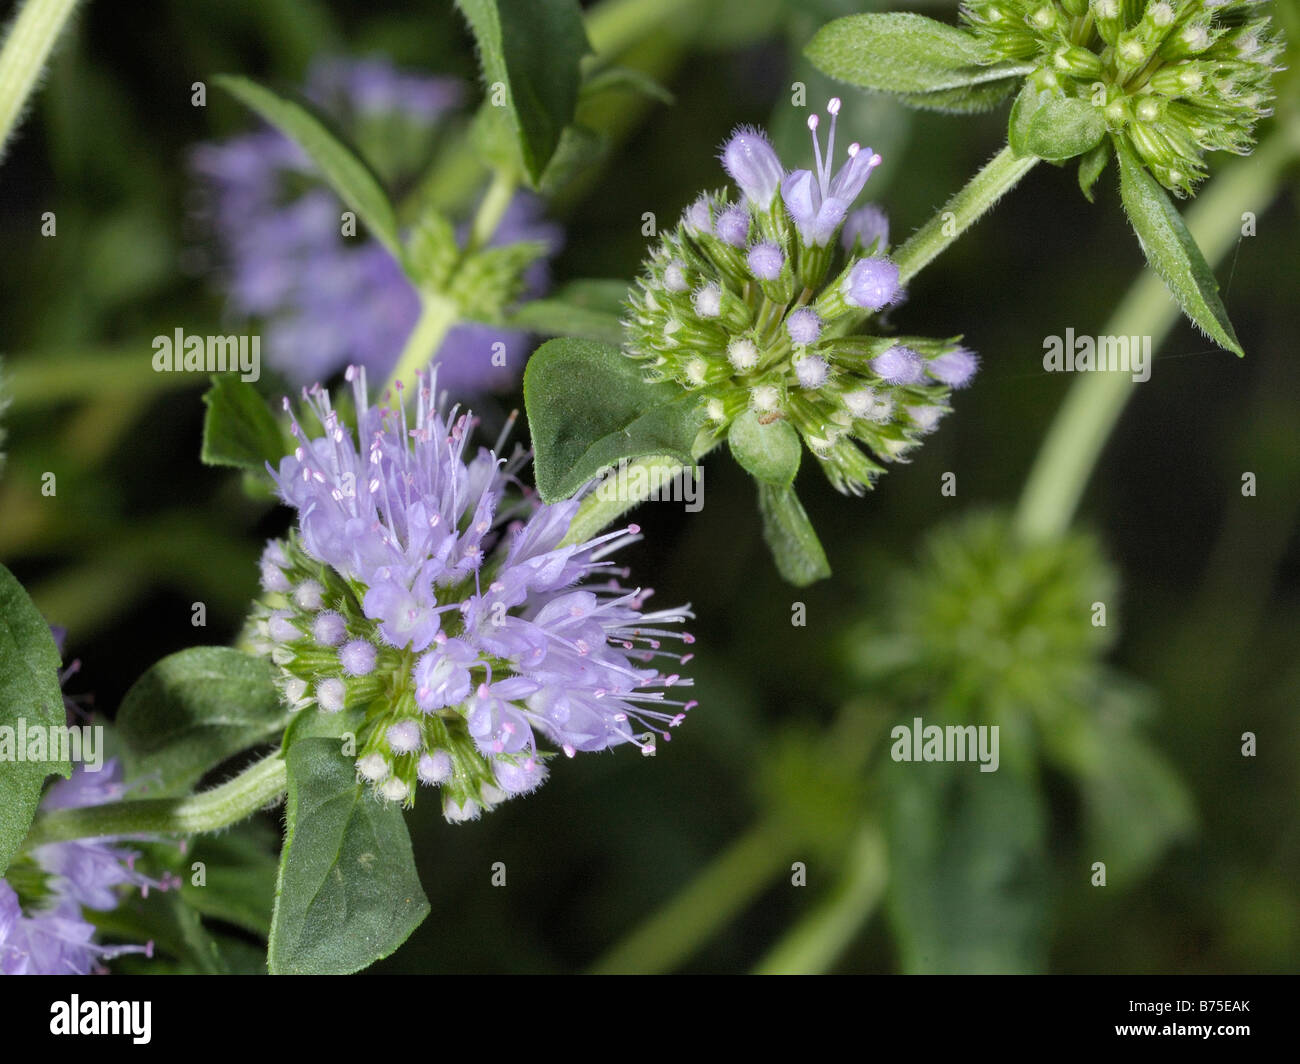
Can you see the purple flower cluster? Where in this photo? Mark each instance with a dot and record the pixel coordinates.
(426, 588)
(327, 300)
(755, 305)
(51, 936)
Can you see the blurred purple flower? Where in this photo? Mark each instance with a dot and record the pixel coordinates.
(53, 937)
(328, 301)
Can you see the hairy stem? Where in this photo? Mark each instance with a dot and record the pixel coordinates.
(622, 489)
(998, 177)
(25, 52)
(1091, 409)
(490, 211)
(256, 787)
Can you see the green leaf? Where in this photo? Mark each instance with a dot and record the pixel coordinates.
(1063, 128)
(347, 174)
(1051, 126)
(789, 534)
(580, 149)
(1171, 250)
(432, 252)
(1129, 777)
(492, 277)
(1028, 100)
(348, 893)
(589, 407)
(590, 310)
(968, 868)
(1116, 772)
(768, 452)
(624, 79)
(492, 135)
(194, 709)
(1091, 166)
(239, 429)
(926, 62)
(969, 99)
(534, 49)
(30, 697)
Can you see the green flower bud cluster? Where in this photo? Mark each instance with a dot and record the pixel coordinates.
(994, 627)
(1175, 78)
(753, 306)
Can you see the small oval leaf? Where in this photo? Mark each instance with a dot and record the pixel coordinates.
(348, 893)
(899, 53)
(589, 407)
(1063, 127)
(194, 709)
(795, 547)
(769, 452)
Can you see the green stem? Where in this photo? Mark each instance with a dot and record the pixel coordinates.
(26, 49)
(998, 177)
(440, 313)
(437, 317)
(1093, 406)
(816, 942)
(490, 211)
(724, 888)
(605, 505)
(45, 377)
(256, 787)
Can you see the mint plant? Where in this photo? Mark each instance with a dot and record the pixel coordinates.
(439, 617)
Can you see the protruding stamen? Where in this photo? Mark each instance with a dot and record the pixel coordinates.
(833, 107)
(813, 122)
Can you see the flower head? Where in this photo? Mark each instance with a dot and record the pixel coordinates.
(1174, 78)
(470, 629)
(327, 299)
(756, 305)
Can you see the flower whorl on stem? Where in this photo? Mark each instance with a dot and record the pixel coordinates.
(421, 588)
(752, 305)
